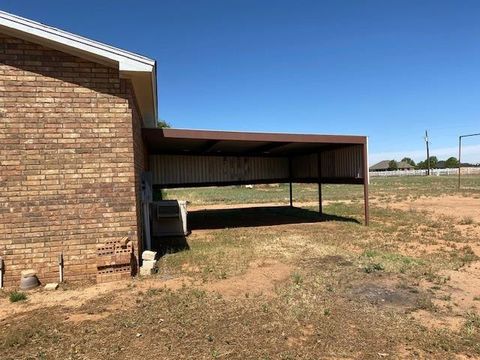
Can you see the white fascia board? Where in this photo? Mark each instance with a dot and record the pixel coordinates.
(145, 87)
(127, 61)
(153, 122)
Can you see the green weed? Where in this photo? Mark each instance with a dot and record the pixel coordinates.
(16, 296)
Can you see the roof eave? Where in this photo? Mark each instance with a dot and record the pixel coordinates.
(127, 60)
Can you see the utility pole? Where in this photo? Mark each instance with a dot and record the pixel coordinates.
(428, 153)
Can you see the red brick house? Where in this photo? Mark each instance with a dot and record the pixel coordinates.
(69, 169)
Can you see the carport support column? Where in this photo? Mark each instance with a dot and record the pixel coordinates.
(290, 181)
(365, 181)
(319, 175)
(320, 210)
(291, 194)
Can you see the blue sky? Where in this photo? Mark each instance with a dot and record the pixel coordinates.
(385, 69)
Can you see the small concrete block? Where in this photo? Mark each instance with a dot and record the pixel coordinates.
(51, 286)
(146, 272)
(149, 255)
(28, 273)
(149, 264)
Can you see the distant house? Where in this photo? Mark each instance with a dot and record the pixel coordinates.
(384, 166)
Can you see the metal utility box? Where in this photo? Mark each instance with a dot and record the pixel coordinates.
(169, 218)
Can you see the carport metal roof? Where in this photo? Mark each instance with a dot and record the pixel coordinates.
(207, 142)
(193, 158)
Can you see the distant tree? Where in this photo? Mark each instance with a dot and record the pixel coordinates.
(451, 162)
(409, 161)
(163, 124)
(433, 162)
(392, 165)
(424, 164)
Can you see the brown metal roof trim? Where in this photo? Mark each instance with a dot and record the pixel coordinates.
(254, 136)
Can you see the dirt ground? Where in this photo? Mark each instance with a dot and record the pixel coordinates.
(462, 287)
(270, 282)
(460, 207)
(260, 279)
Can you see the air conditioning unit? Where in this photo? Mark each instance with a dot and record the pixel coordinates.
(169, 218)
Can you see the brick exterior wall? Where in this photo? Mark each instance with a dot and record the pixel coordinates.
(71, 155)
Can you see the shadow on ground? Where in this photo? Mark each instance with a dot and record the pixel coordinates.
(257, 216)
(210, 219)
(169, 245)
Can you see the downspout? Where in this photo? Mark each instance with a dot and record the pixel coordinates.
(60, 267)
(1, 273)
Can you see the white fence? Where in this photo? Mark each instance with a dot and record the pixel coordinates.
(436, 172)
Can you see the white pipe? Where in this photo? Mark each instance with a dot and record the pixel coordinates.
(60, 266)
(1, 272)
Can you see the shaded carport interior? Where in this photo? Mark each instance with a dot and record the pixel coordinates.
(194, 158)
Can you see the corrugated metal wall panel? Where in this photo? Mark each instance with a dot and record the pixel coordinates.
(338, 163)
(305, 166)
(343, 163)
(184, 169)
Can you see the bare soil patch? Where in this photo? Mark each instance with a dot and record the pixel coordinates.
(460, 293)
(460, 207)
(73, 298)
(438, 320)
(261, 278)
(78, 318)
(464, 287)
(457, 296)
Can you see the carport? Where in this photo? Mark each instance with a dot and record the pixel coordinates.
(194, 158)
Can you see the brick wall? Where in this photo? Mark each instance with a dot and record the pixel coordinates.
(69, 168)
